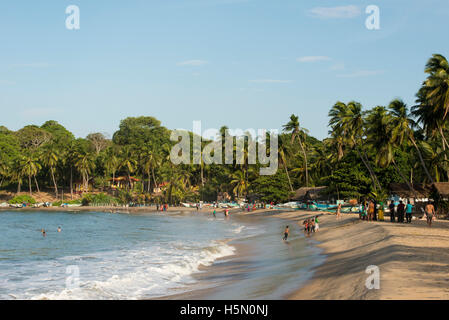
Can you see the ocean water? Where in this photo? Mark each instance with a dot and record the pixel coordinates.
(139, 256)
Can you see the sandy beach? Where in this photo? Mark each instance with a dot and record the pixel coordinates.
(412, 258)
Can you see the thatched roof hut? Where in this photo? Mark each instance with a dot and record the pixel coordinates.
(402, 190)
(310, 193)
(442, 188)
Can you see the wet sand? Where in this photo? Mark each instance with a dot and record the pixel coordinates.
(413, 259)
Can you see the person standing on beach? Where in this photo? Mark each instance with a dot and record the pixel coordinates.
(286, 233)
(408, 212)
(375, 211)
(401, 211)
(317, 226)
(392, 207)
(430, 212)
(339, 211)
(370, 211)
(214, 213)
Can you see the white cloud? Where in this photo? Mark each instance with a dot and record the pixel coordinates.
(342, 12)
(269, 81)
(361, 73)
(313, 59)
(194, 63)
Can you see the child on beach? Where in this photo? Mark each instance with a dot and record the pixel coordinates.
(304, 223)
(317, 226)
(286, 233)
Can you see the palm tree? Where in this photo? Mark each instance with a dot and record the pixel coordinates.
(239, 183)
(436, 158)
(296, 131)
(402, 129)
(322, 162)
(85, 164)
(283, 153)
(29, 166)
(147, 161)
(380, 137)
(128, 161)
(433, 99)
(4, 170)
(50, 159)
(111, 162)
(347, 123)
(437, 84)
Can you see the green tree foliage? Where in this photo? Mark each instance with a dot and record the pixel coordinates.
(367, 149)
(272, 188)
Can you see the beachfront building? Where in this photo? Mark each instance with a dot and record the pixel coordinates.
(123, 182)
(442, 190)
(311, 194)
(223, 197)
(78, 187)
(401, 191)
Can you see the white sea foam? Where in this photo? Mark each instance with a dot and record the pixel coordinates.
(138, 273)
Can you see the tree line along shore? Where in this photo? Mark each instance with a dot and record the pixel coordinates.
(366, 151)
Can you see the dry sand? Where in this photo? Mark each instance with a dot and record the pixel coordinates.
(413, 259)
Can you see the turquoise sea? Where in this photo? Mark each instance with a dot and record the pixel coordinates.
(138, 256)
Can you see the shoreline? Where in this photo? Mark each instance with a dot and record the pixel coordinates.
(413, 259)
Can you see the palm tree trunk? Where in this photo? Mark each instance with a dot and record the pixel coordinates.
(404, 178)
(440, 129)
(154, 177)
(1, 182)
(375, 182)
(202, 174)
(71, 182)
(444, 143)
(305, 161)
(372, 171)
(29, 185)
(421, 160)
(37, 185)
(54, 182)
(19, 186)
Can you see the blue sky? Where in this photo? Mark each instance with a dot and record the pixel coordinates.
(240, 63)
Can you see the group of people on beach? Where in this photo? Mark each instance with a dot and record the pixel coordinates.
(310, 225)
(369, 211)
(161, 207)
(402, 210)
(398, 212)
(225, 212)
(401, 213)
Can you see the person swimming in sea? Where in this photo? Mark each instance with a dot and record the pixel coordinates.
(59, 229)
(43, 233)
(286, 233)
